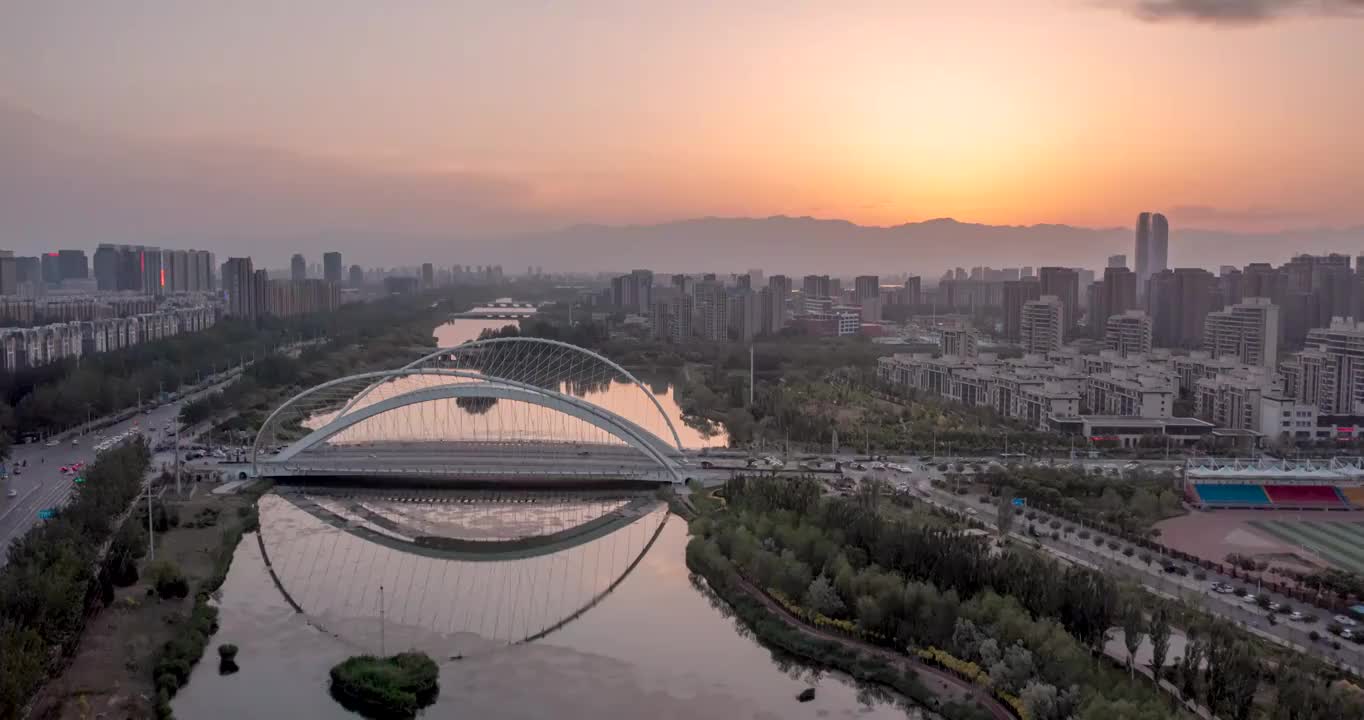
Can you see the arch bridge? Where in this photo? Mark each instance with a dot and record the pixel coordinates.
(498, 410)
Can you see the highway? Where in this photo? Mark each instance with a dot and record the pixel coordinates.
(42, 485)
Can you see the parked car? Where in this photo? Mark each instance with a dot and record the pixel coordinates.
(1248, 597)
(1296, 615)
(1345, 620)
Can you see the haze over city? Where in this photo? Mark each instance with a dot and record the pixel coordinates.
(424, 128)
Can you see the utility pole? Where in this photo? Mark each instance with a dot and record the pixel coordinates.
(151, 541)
(177, 456)
(383, 652)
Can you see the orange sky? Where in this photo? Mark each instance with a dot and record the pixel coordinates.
(996, 111)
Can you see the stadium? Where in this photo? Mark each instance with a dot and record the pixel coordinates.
(1273, 484)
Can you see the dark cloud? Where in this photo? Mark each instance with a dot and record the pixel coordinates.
(1237, 12)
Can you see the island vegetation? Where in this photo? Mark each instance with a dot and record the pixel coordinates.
(386, 688)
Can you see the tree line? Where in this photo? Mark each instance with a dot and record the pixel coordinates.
(55, 578)
(1032, 625)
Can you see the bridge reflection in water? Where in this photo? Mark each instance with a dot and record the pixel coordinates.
(460, 571)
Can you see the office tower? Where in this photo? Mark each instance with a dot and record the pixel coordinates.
(743, 282)
(298, 267)
(331, 267)
(1064, 284)
(52, 269)
(1329, 373)
(817, 286)
(1025, 272)
(757, 277)
(74, 264)
(913, 292)
(1018, 293)
(106, 268)
(1153, 246)
(29, 277)
(1117, 294)
(780, 288)
(1117, 261)
(239, 282)
(1085, 278)
(960, 342)
(1128, 333)
(175, 270)
(428, 276)
(9, 273)
(1247, 331)
(867, 294)
(1043, 325)
(357, 276)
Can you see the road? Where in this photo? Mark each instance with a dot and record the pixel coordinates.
(41, 484)
(1072, 548)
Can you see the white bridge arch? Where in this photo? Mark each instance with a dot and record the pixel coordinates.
(547, 383)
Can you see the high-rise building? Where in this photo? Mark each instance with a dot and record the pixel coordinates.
(817, 286)
(74, 264)
(1153, 246)
(1329, 373)
(331, 267)
(744, 315)
(1178, 302)
(357, 276)
(867, 292)
(1117, 261)
(52, 269)
(428, 276)
(29, 276)
(1043, 325)
(671, 314)
(9, 273)
(1064, 284)
(960, 342)
(1117, 293)
(779, 287)
(913, 291)
(298, 267)
(1128, 333)
(1247, 331)
(239, 282)
(1018, 293)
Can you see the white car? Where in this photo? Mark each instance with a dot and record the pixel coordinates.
(1346, 621)
(12, 493)
(52, 443)
(1296, 615)
(1248, 597)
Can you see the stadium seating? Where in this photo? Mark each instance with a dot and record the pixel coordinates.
(1353, 495)
(1241, 495)
(1304, 495)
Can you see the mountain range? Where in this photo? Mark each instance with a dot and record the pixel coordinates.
(65, 186)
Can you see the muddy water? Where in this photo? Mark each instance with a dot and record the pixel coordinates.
(656, 645)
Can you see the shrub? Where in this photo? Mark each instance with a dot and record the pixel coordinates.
(166, 577)
(392, 687)
(227, 651)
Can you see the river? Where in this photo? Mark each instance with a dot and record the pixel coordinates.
(627, 630)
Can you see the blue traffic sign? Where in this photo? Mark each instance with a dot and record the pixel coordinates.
(46, 514)
(1018, 501)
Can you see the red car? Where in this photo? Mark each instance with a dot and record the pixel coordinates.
(66, 469)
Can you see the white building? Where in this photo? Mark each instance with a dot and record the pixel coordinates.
(1128, 334)
(1247, 331)
(1042, 325)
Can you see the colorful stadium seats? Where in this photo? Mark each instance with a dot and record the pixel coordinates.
(1353, 495)
(1304, 495)
(1238, 495)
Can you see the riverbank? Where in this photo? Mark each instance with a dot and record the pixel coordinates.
(776, 626)
(111, 673)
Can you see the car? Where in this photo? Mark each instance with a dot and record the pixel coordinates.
(1275, 607)
(1348, 634)
(971, 511)
(52, 443)
(1296, 615)
(1248, 597)
(65, 468)
(75, 442)
(1221, 588)
(12, 493)
(1345, 620)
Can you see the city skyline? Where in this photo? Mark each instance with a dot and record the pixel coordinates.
(877, 115)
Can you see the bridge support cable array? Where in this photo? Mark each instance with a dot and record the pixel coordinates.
(504, 408)
(444, 605)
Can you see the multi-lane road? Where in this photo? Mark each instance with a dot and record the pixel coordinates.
(35, 468)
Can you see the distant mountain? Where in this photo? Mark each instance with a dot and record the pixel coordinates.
(65, 186)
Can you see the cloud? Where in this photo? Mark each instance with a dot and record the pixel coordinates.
(1236, 12)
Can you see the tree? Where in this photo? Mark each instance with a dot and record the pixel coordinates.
(821, 597)
(1133, 629)
(1005, 512)
(1159, 630)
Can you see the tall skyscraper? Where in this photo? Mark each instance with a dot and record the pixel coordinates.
(1043, 325)
(867, 291)
(913, 292)
(357, 276)
(1247, 331)
(239, 281)
(298, 267)
(820, 286)
(428, 276)
(1117, 261)
(779, 286)
(1018, 293)
(1064, 283)
(1152, 247)
(1117, 294)
(331, 267)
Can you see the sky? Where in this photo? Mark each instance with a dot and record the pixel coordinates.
(1227, 114)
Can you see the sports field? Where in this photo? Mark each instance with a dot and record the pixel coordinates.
(1339, 542)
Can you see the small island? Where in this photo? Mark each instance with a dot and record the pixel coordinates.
(388, 688)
